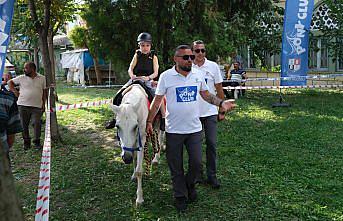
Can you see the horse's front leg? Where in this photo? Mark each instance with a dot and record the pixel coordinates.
(134, 177)
(139, 176)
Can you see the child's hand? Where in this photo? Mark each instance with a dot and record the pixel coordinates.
(133, 77)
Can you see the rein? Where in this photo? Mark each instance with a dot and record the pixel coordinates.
(154, 140)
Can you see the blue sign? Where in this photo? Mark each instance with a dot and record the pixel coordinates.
(6, 13)
(186, 94)
(295, 41)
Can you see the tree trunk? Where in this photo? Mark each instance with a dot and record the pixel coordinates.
(97, 71)
(43, 42)
(52, 59)
(10, 209)
(35, 57)
(52, 54)
(42, 28)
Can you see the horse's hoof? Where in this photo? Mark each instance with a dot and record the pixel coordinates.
(139, 203)
(154, 163)
(134, 179)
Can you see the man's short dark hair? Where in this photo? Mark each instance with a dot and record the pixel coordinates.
(197, 42)
(182, 47)
(31, 65)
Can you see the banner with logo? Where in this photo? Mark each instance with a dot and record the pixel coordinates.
(6, 13)
(295, 41)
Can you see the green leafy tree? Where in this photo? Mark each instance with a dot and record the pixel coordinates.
(223, 25)
(35, 23)
(334, 34)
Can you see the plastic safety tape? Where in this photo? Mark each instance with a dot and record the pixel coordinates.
(291, 78)
(80, 105)
(42, 205)
(283, 87)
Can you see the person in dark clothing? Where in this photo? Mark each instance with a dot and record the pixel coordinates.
(142, 70)
(9, 120)
(5, 78)
(238, 75)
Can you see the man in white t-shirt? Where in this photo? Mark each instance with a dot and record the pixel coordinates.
(209, 112)
(182, 88)
(31, 102)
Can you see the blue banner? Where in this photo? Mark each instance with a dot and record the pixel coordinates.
(295, 41)
(6, 13)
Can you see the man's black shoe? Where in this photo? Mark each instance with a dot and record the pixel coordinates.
(200, 179)
(38, 146)
(27, 144)
(180, 204)
(213, 182)
(192, 194)
(110, 124)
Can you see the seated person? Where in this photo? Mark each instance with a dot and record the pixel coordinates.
(237, 75)
(5, 78)
(144, 68)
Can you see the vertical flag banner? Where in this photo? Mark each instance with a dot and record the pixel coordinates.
(6, 13)
(295, 41)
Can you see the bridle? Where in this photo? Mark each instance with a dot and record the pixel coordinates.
(132, 149)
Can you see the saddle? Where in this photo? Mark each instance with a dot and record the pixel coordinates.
(119, 96)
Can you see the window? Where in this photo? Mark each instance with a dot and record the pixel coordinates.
(318, 54)
(323, 53)
(312, 55)
(340, 64)
(339, 48)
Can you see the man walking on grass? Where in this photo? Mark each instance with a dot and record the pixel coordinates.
(182, 88)
(31, 102)
(209, 112)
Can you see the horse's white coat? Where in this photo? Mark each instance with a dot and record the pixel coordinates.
(131, 115)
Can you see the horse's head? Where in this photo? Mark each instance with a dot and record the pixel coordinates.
(127, 131)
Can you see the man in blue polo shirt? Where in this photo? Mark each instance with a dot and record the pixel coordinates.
(182, 87)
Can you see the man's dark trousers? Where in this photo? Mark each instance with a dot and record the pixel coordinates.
(174, 152)
(209, 125)
(26, 113)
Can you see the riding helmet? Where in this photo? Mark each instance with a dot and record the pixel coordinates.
(145, 37)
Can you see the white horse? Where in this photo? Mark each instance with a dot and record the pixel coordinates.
(131, 118)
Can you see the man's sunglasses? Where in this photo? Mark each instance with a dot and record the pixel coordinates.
(186, 57)
(198, 50)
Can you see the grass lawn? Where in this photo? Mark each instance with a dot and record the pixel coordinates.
(274, 164)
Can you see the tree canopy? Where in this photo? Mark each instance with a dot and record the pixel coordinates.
(223, 25)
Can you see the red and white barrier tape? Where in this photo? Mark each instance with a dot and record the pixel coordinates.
(284, 87)
(81, 105)
(291, 78)
(42, 205)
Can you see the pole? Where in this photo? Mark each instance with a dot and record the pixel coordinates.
(281, 103)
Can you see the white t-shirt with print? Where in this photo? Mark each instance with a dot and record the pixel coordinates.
(212, 75)
(182, 95)
(31, 90)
